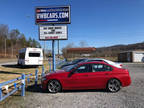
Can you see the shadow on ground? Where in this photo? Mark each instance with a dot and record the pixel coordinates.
(18, 66)
(5, 72)
(34, 88)
(37, 89)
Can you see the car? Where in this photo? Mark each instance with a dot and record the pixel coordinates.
(118, 65)
(73, 62)
(87, 75)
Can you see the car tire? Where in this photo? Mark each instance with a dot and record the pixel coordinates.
(54, 86)
(113, 85)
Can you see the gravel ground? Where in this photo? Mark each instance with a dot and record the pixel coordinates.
(128, 97)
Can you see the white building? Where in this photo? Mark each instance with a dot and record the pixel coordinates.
(131, 56)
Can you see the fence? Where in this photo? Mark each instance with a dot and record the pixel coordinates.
(20, 82)
(17, 84)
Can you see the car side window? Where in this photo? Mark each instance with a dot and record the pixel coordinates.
(108, 68)
(83, 69)
(100, 67)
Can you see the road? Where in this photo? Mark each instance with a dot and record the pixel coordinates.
(128, 97)
(8, 63)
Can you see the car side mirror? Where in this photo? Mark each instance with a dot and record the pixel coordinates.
(71, 73)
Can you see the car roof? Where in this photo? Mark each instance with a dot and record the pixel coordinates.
(97, 59)
(99, 62)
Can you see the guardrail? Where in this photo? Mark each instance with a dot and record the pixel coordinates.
(20, 82)
(10, 87)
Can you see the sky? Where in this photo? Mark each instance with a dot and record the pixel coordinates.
(99, 23)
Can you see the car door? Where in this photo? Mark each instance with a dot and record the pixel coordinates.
(100, 75)
(79, 79)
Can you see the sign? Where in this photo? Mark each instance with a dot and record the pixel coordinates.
(53, 15)
(53, 32)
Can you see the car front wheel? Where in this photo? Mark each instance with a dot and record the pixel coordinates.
(113, 85)
(54, 86)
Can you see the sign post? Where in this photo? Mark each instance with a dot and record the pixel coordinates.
(53, 55)
(47, 16)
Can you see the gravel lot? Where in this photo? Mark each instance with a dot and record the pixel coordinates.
(128, 97)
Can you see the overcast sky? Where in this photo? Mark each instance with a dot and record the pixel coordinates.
(97, 22)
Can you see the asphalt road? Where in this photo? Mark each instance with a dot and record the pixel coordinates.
(128, 97)
(8, 63)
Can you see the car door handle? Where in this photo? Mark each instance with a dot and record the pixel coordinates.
(85, 75)
(106, 73)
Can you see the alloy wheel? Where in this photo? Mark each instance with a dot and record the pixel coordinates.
(54, 86)
(114, 85)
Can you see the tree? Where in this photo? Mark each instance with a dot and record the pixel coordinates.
(14, 36)
(29, 42)
(4, 32)
(11, 41)
(22, 40)
(83, 44)
(64, 50)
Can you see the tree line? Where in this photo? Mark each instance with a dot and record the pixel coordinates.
(13, 40)
(106, 52)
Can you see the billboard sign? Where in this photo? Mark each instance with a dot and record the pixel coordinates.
(52, 15)
(53, 32)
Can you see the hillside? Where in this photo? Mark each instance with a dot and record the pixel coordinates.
(112, 51)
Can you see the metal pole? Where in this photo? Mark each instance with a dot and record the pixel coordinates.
(43, 71)
(58, 49)
(23, 85)
(44, 51)
(50, 67)
(1, 93)
(36, 77)
(53, 54)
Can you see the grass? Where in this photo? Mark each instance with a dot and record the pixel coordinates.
(3, 60)
(9, 72)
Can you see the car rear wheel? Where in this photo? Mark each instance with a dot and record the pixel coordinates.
(113, 85)
(54, 86)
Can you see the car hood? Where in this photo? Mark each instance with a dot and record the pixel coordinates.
(55, 72)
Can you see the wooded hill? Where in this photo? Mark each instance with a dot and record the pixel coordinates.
(112, 51)
(12, 40)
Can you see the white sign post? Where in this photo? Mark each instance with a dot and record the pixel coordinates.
(53, 32)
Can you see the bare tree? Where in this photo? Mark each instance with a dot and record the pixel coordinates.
(83, 44)
(12, 41)
(4, 31)
(14, 36)
(64, 50)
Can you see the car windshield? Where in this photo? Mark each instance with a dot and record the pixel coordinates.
(104, 60)
(110, 62)
(77, 61)
(68, 68)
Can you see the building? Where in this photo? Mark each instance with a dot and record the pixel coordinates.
(131, 56)
(81, 52)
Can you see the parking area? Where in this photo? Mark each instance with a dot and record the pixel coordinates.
(128, 97)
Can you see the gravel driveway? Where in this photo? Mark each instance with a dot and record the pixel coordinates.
(128, 97)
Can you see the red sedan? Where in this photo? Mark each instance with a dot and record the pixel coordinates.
(88, 75)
